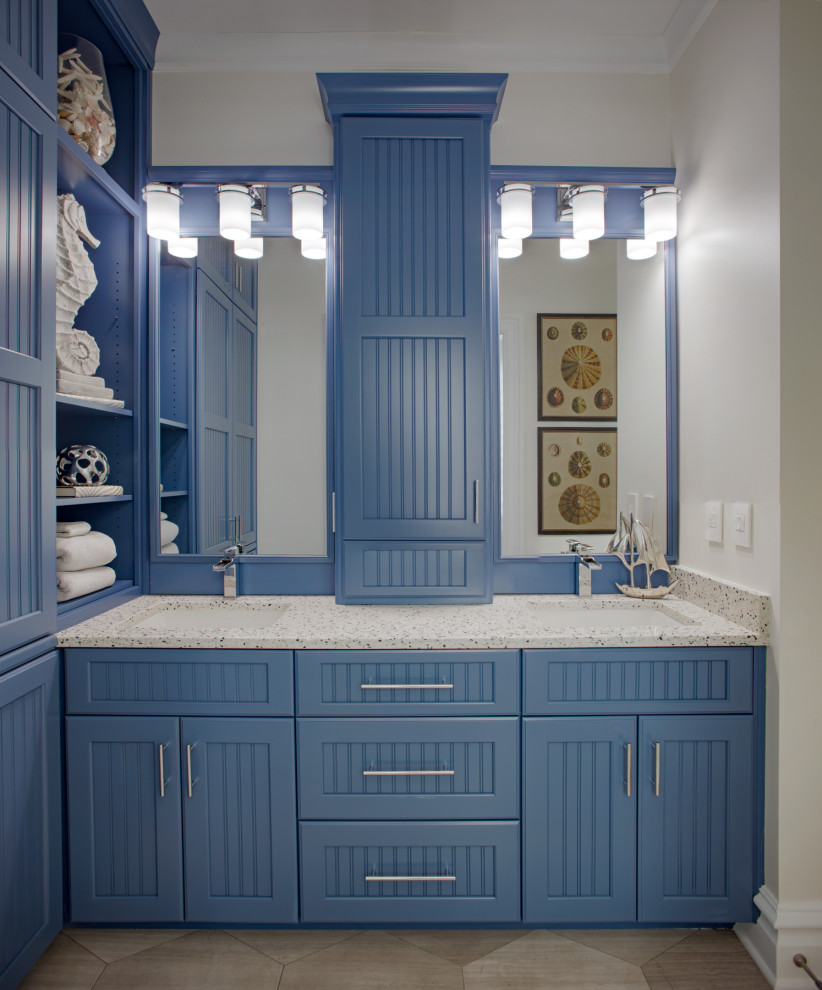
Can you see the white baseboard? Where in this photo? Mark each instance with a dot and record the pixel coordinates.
(782, 931)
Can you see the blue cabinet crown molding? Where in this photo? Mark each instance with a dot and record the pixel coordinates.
(131, 24)
(472, 94)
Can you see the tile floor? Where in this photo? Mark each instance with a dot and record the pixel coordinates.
(164, 959)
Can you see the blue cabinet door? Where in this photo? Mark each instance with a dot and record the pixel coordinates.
(28, 46)
(124, 820)
(27, 364)
(413, 355)
(696, 827)
(239, 820)
(31, 842)
(579, 820)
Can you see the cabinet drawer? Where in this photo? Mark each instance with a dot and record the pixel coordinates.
(408, 682)
(408, 768)
(638, 681)
(474, 865)
(180, 682)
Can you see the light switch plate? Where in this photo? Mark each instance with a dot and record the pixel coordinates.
(647, 506)
(741, 524)
(713, 522)
(632, 508)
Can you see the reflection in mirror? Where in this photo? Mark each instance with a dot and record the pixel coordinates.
(242, 354)
(605, 282)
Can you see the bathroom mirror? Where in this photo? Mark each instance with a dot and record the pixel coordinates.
(559, 415)
(242, 355)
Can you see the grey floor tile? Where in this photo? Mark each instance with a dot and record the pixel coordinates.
(637, 947)
(705, 960)
(110, 944)
(545, 961)
(204, 960)
(287, 946)
(372, 961)
(460, 947)
(64, 965)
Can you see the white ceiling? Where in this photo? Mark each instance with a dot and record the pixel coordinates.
(407, 35)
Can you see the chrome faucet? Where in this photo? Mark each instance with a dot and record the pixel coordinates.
(587, 563)
(228, 567)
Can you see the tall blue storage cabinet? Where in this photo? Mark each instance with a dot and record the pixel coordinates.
(413, 374)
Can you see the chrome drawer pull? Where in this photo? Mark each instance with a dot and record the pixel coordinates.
(408, 773)
(657, 755)
(162, 774)
(372, 879)
(628, 769)
(406, 687)
(188, 767)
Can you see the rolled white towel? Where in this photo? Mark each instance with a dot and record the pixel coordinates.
(73, 584)
(168, 532)
(73, 528)
(164, 515)
(77, 553)
(169, 548)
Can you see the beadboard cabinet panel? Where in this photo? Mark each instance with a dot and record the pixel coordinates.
(31, 840)
(28, 41)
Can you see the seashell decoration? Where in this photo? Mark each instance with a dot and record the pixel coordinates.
(77, 353)
(83, 102)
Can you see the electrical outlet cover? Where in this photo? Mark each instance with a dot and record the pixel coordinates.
(713, 522)
(741, 524)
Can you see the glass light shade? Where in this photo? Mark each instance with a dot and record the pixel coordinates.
(183, 247)
(588, 203)
(250, 248)
(660, 206)
(638, 250)
(235, 211)
(509, 247)
(162, 211)
(315, 249)
(572, 248)
(307, 204)
(516, 214)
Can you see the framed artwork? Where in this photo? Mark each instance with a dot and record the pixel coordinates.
(576, 366)
(577, 480)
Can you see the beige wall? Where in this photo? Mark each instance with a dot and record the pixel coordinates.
(276, 118)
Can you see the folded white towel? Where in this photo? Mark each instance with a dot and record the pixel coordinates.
(168, 532)
(73, 528)
(72, 584)
(169, 548)
(77, 553)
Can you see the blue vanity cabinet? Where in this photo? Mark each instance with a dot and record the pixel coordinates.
(413, 371)
(190, 816)
(31, 839)
(640, 803)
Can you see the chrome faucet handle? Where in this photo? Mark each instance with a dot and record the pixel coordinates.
(583, 549)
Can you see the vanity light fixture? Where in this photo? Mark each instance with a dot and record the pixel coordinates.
(307, 203)
(660, 205)
(572, 248)
(315, 248)
(235, 210)
(183, 247)
(639, 250)
(588, 203)
(509, 247)
(162, 210)
(251, 248)
(515, 207)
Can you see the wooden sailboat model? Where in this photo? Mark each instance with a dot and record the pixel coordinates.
(634, 544)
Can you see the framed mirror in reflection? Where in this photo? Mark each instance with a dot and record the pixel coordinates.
(584, 433)
(242, 363)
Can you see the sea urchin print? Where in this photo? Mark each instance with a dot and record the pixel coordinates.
(604, 449)
(579, 464)
(607, 334)
(579, 404)
(553, 450)
(555, 397)
(579, 504)
(581, 367)
(552, 333)
(554, 480)
(604, 480)
(579, 331)
(604, 399)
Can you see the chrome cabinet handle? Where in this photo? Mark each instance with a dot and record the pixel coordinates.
(657, 760)
(628, 769)
(188, 767)
(408, 773)
(373, 879)
(406, 687)
(162, 773)
(476, 502)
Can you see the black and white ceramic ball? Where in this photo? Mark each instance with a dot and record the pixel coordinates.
(81, 464)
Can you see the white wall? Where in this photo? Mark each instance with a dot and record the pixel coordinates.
(291, 402)
(276, 118)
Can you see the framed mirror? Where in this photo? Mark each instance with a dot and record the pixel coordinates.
(586, 406)
(242, 437)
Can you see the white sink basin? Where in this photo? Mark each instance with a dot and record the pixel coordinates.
(580, 617)
(216, 616)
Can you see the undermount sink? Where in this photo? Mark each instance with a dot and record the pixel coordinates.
(607, 617)
(216, 616)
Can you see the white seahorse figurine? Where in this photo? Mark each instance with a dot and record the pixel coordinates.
(77, 351)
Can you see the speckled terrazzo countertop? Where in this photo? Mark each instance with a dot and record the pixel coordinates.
(316, 622)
